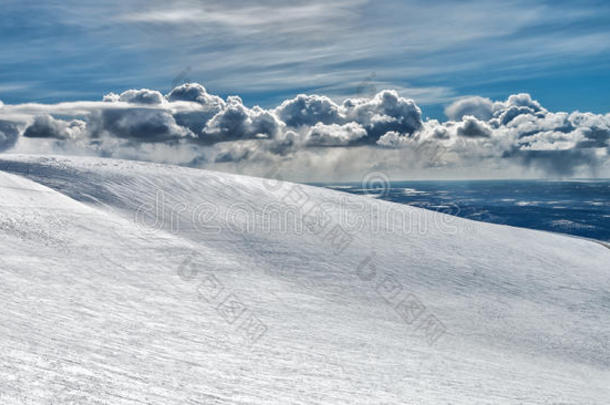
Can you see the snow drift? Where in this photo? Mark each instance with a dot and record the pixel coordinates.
(130, 283)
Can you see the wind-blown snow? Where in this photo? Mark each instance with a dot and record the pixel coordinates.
(116, 279)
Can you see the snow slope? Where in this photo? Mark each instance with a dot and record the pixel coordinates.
(137, 283)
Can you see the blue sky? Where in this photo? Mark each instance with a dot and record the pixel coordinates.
(269, 50)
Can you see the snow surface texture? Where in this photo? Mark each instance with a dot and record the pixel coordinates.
(137, 283)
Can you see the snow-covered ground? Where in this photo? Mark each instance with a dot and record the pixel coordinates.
(137, 283)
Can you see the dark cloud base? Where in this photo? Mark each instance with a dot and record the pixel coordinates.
(190, 126)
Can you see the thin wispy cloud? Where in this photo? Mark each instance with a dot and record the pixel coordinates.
(263, 48)
(319, 71)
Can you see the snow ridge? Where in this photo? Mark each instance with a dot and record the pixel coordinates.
(128, 282)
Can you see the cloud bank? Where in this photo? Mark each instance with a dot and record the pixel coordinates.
(312, 137)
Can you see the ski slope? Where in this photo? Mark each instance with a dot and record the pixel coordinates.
(136, 283)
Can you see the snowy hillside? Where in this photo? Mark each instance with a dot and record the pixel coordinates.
(137, 283)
